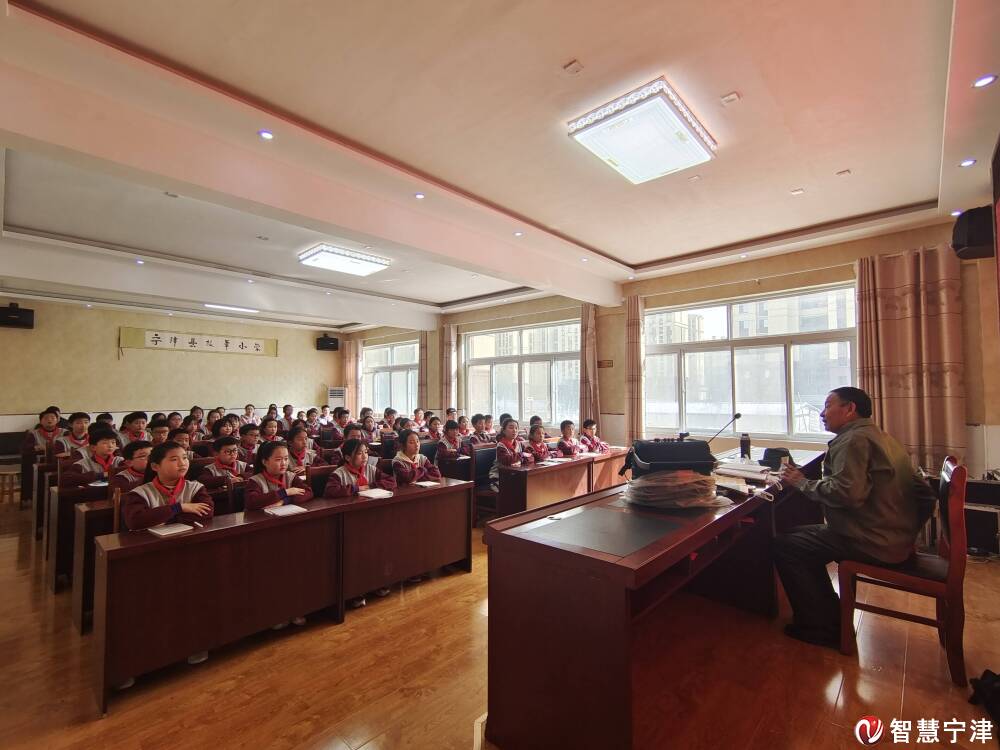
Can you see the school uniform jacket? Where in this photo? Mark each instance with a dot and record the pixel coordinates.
(38, 440)
(261, 491)
(594, 444)
(570, 447)
(509, 454)
(434, 434)
(87, 470)
(244, 419)
(69, 444)
(126, 437)
(345, 483)
(540, 451)
(126, 480)
(284, 425)
(146, 506)
(371, 437)
(308, 458)
(312, 430)
(214, 475)
(478, 438)
(420, 469)
(246, 455)
(447, 449)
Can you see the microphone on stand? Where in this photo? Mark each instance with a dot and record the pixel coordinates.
(736, 416)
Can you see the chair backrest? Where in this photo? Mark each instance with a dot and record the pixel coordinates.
(953, 543)
(385, 466)
(202, 448)
(429, 448)
(317, 476)
(388, 446)
(483, 458)
(197, 466)
(116, 503)
(552, 444)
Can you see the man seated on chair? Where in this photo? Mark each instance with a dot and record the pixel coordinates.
(874, 504)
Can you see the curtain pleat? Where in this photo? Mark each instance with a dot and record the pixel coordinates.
(422, 372)
(449, 334)
(352, 375)
(590, 405)
(634, 367)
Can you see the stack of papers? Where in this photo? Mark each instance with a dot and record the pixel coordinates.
(375, 494)
(582, 455)
(427, 483)
(744, 471)
(561, 460)
(169, 529)
(285, 510)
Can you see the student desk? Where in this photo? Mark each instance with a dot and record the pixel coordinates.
(59, 530)
(91, 520)
(568, 586)
(159, 600)
(527, 487)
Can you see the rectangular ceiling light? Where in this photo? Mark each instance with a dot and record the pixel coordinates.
(231, 309)
(646, 134)
(343, 261)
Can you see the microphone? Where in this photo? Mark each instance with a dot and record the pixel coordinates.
(736, 416)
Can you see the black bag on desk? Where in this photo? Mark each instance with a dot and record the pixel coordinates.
(648, 456)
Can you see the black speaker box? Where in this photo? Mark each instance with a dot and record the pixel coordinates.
(327, 343)
(14, 316)
(972, 236)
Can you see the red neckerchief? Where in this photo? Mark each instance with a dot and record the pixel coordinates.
(300, 457)
(270, 438)
(435, 434)
(49, 435)
(171, 495)
(85, 440)
(456, 445)
(359, 473)
(137, 435)
(128, 470)
(280, 481)
(249, 448)
(509, 445)
(539, 449)
(233, 470)
(104, 463)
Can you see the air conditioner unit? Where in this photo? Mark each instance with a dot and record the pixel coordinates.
(336, 397)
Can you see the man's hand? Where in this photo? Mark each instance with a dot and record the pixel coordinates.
(791, 475)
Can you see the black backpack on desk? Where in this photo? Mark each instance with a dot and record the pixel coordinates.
(649, 456)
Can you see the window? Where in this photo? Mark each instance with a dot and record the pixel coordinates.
(524, 372)
(389, 377)
(773, 360)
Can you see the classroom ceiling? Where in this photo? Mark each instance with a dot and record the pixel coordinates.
(473, 93)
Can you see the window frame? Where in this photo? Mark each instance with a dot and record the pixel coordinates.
(390, 368)
(521, 360)
(785, 340)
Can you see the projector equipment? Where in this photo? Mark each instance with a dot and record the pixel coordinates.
(972, 236)
(327, 343)
(14, 316)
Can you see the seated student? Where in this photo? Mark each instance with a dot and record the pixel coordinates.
(370, 429)
(134, 427)
(226, 466)
(106, 419)
(159, 431)
(300, 455)
(537, 446)
(341, 418)
(174, 420)
(351, 432)
(272, 412)
(183, 438)
(77, 439)
(503, 418)
(365, 411)
(44, 436)
(249, 440)
(135, 458)
(479, 433)
(488, 427)
(418, 420)
(300, 416)
(249, 415)
(158, 415)
(313, 425)
(222, 428)
(63, 423)
(96, 466)
(166, 495)
(357, 472)
(210, 420)
(464, 426)
(269, 430)
(191, 426)
(511, 451)
(569, 445)
(388, 419)
(451, 413)
(325, 418)
(537, 421)
(197, 415)
(589, 440)
(288, 416)
(410, 465)
(450, 444)
(234, 420)
(434, 428)
(273, 483)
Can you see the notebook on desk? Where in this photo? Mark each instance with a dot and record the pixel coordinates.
(375, 493)
(170, 529)
(427, 483)
(285, 510)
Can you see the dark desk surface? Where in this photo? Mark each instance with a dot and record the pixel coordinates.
(535, 469)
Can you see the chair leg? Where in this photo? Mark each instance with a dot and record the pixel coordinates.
(848, 585)
(942, 620)
(954, 649)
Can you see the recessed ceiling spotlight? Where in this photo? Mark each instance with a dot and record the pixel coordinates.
(505, 300)
(368, 247)
(984, 81)
(966, 162)
(573, 67)
(743, 255)
(263, 237)
(584, 259)
(170, 315)
(393, 304)
(798, 191)
(231, 309)
(140, 262)
(733, 97)
(956, 213)
(519, 234)
(265, 135)
(169, 194)
(89, 306)
(630, 278)
(419, 196)
(249, 281)
(329, 293)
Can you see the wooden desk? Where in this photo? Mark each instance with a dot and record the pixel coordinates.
(91, 520)
(568, 584)
(527, 487)
(59, 530)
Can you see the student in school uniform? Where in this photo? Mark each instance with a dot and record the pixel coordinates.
(488, 427)
(272, 412)
(97, 465)
(365, 411)
(222, 428)
(249, 440)
(537, 446)
(537, 421)
(134, 427)
(226, 466)
(77, 439)
(269, 430)
(370, 429)
(418, 420)
(198, 415)
(106, 419)
(351, 432)
(183, 438)
(511, 451)
(569, 445)
(410, 465)
(479, 433)
(249, 415)
(159, 430)
(234, 420)
(135, 458)
(193, 428)
(285, 423)
(341, 418)
(157, 415)
(451, 413)
(357, 472)
(589, 440)
(210, 420)
(464, 426)
(434, 428)
(273, 482)
(450, 444)
(174, 420)
(313, 425)
(388, 419)
(300, 455)
(325, 417)
(45, 435)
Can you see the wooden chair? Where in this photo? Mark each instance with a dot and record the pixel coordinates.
(939, 576)
(318, 476)
(116, 504)
(429, 449)
(202, 448)
(197, 466)
(483, 458)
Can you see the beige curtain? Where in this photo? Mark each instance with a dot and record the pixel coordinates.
(352, 374)
(910, 349)
(449, 363)
(590, 404)
(422, 372)
(635, 357)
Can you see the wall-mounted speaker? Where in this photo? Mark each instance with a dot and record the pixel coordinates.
(327, 343)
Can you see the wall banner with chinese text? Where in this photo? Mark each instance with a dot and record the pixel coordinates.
(208, 343)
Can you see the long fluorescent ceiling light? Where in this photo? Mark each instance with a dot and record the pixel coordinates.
(343, 261)
(645, 134)
(231, 309)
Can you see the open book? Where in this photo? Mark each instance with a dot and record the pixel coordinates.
(169, 529)
(285, 510)
(376, 493)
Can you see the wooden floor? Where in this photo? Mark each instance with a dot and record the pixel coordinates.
(409, 671)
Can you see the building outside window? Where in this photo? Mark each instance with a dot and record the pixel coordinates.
(389, 377)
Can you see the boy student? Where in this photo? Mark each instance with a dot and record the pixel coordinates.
(174, 420)
(76, 440)
(418, 420)
(569, 445)
(106, 419)
(388, 419)
(226, 466)
(410, 465)
(300, 455)
(44, 436)
(536, 421)
(589, 440)
(351, 432)
(249, 439)
(451, 413)
(285, 423)
(537, 446)
(450, 444)
(479, 433)
(341, 418)
(325, 418)
(365, 411)
(313, 425)
(99, 462)
(183, 438)
(135, 457)
(488, 427)
(159, 429)
(134, 427)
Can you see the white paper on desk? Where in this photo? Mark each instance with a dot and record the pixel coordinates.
(169, 529)
(374, 443)
(285, 510)
(586, 455)
(427, 483)
(732, 483)
(549, 462)
(376, 493)
(461, 458)
(560, 460)
(98, 483)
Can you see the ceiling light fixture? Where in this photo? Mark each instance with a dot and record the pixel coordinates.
(743, 255)
(645, 134)
(519, 234)
(140, 262)
(956, 213)
(798, 191)
(265, 135)
(368, 247)
(329, 293)
(419, 196)
(89, 306)
(249, 281)
(966, 162)
(170, 315)
(984, 81)
(584, 259)
(263, 237)
(231, 309)
(339, 259)
(630, 278)
(844, 173)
